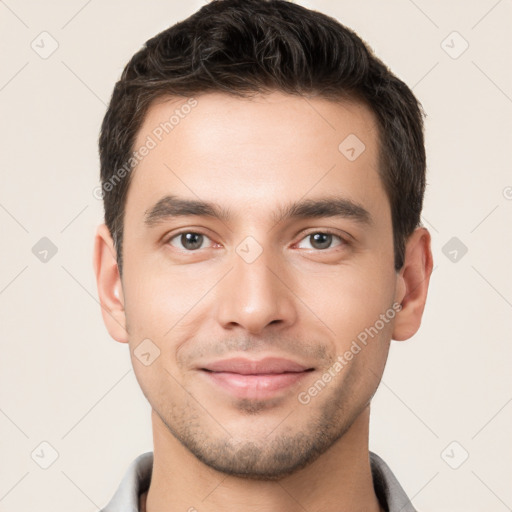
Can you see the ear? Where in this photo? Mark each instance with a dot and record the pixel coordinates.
(412, 284)
(108, 280)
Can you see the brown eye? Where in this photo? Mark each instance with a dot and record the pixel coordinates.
(321, 240)
(190, 241)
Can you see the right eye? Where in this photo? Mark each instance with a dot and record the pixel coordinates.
(188, 240)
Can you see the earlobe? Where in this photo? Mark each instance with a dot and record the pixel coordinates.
(109, 284)
(412, 285)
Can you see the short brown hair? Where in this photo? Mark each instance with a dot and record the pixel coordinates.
(245, 47)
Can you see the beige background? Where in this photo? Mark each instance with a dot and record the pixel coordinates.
(65, 382)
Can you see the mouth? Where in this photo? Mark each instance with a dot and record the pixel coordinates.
(257, 380)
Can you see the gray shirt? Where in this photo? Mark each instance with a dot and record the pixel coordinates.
(138, 477)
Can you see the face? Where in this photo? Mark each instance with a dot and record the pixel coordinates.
(252, 300)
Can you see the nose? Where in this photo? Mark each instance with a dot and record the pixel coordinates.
(255, 295)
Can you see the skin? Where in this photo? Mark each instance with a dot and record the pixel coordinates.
(212, 451)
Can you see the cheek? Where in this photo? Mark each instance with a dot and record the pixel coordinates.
(167, 310)
(349, 299)
(157, 300)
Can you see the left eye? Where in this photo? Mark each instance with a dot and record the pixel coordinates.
(321, 240)
(189, 240)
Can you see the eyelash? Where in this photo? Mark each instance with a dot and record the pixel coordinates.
(344, 241)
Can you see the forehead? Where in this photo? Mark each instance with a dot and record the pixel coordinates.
(256, 152)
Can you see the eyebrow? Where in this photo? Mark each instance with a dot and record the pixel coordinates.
(172, 206)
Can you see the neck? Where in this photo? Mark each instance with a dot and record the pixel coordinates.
(339, 480)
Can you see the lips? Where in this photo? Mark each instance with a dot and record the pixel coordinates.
(259, 380)
(269, 365)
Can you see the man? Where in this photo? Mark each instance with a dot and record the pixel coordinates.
(263, 176)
